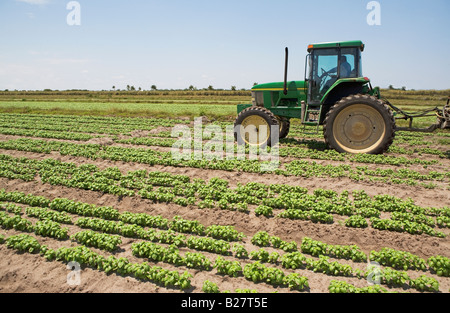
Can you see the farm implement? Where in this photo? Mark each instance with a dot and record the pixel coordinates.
(355, 117)
(443, 117)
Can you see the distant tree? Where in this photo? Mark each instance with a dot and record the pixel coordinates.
(140, 89)
(153, 87)
(192, 88)
(133, 88)
(391, 87)
(210, 87)
(113, 87)
(233, 88)
(128, 87)
(254, 84)
(404, 88)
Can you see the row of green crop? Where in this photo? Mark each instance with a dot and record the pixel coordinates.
(413, 228)
(335, 286)
(421, 283)
(317, 148)
(387, 256)
(123, 126)
(137, 220)
(157, 253)
(83, 124)
(256, 272)
(86, 257)
(46, 228)
(88, 176)
(152, 157)
(168, 237)
(304, 148)
(49, 228)
(296, 204)
(293, 151)
(386, 276)
(106, 241)
(45, 134)
(153, 252)
(311, 208)
(261, 239)
(110, 220)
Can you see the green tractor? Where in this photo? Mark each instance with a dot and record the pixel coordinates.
(334, 94)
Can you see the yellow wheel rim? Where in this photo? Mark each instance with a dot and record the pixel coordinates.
(359, 128)
(255, 130)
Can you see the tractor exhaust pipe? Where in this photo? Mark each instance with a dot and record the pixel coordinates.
(286, 71)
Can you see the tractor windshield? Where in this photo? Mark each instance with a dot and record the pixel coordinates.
(329, 65)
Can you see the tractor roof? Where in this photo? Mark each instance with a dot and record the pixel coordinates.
(323, 45)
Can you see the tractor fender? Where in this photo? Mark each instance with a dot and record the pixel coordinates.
(340, 89)
(343, 88)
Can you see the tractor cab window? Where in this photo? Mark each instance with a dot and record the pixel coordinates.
(323, 73)
(329, 65)
(350, 63)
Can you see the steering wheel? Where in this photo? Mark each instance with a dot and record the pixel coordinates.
(324, 73)
(323, 78)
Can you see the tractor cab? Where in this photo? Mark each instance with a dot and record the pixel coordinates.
(330, 62)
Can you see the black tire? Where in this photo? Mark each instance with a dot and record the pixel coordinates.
(259, 114)
(359, 124)
(285, 126)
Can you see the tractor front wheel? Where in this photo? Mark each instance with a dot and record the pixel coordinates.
(254, 127)
(359, 124)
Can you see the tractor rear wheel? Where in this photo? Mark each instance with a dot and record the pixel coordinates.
(359, 124)
(254, 127)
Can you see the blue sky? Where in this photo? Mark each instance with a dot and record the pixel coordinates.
(177, 43)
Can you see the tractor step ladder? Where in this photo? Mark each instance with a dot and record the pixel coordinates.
(312, 118)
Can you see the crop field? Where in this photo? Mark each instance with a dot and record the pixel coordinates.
(92, 200)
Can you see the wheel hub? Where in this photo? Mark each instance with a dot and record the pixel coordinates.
(256, 130)
(358, 128)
